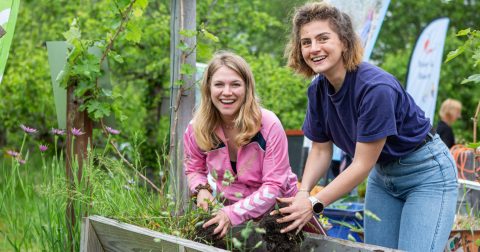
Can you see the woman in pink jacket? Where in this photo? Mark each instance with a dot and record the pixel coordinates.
(243, 146)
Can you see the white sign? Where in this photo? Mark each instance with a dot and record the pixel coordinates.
(424, 70)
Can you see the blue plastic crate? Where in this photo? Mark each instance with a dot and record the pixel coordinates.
(345, 213)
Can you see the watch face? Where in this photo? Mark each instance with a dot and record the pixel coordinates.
(318, 207)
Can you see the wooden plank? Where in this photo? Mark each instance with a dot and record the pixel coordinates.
(469, 184)
(318, 243)
(117, 236)
(88, 239)
(182, 97)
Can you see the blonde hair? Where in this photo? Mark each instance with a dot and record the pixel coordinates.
(207, 118)
(448, 106)
(339, 22)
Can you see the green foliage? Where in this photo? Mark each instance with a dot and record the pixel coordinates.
(471, 45)
(280, 90)
(241, 243)
(393, 49)
(34, 195)
(82, 69)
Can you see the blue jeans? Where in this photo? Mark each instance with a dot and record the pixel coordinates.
(415, 198)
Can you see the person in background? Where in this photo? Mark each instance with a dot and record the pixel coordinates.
(232, 136)
(412, 178)
(449, 112)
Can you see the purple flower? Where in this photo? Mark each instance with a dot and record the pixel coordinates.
(112, 131)
(77, 132)
(58, 131)
(21, 161)
(28, 129)
(43, 148)
(13, 153)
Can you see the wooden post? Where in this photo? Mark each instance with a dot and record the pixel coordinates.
(182, 92)
(475, 121)
(76, 150)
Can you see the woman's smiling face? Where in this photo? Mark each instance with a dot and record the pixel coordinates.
(227, 90)
(322, 48)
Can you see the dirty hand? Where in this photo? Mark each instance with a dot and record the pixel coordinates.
(203, 198)
(299, 211)
(223, 223)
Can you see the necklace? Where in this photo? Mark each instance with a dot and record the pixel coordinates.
(229, 127)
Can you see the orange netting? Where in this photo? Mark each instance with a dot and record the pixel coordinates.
(468, 162)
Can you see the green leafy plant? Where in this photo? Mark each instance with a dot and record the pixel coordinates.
(472, 46)
(241, 243)
(83, 68)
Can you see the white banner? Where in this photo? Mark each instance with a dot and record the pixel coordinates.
(367, 18)
(424, 68)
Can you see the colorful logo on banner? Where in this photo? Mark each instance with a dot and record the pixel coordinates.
(8, 18)
(367, 18)
(424, 70)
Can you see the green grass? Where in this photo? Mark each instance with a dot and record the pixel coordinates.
(34, 197)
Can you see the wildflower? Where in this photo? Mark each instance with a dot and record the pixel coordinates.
(126, 187)
(131, 181)
(43, 148)
(28, 129)
(58, 131)
(77, 132)
(13, 153)
(22, 161)
(112, 131)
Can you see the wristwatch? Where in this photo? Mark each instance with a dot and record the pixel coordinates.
(317, 205)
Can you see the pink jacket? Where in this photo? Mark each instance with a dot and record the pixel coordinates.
(263, 170)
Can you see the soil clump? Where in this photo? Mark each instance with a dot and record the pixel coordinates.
(276, 241)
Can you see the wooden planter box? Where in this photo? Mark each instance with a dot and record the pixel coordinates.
(463, 240)
(104, 234)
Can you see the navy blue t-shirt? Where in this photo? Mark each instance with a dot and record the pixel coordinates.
(370, 105)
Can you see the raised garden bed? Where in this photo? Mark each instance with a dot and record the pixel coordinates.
(104, 234)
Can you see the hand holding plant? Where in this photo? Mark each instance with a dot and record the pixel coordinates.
(204, 199)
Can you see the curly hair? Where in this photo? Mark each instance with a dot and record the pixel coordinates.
(339, 22)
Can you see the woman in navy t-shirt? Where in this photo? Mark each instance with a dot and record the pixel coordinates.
(412, 179)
